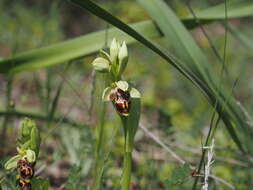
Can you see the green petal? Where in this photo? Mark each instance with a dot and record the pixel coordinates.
(123, 85)
(134, 93)
(30, 155)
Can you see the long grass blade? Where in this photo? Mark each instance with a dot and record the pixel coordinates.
(71, 49)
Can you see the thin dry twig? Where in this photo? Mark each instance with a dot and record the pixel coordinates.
(177, 157)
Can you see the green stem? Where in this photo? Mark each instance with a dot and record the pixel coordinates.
(37, 116)
(99, 159)
(8, 108)
(127, 168)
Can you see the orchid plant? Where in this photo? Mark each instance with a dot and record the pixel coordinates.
(124, 97)
(24, 162)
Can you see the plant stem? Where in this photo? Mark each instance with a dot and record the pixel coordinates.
(8, 108)
(99, 159)
(37, 116)
(127, 168)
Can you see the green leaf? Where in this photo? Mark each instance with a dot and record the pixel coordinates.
(74, 178)
(131, 123)
(188, 51)
(40, 184)
(235, 9)
(179, 176)
(71, 49)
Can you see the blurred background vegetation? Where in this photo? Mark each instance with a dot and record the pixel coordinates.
(65, 99)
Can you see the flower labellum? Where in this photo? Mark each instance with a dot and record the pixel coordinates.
(26, 172)
(120, 95)
(122, 102)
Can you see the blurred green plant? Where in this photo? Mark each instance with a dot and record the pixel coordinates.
(24, 162)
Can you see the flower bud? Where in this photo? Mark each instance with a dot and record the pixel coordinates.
(123, 57)
(27, 125)
(101, 65)
(114, 50)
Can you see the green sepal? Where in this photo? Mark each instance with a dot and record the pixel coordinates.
(30, 156)
(12, 162)
(25, 146)
(105, 55)
(101, 65)
(106, 94)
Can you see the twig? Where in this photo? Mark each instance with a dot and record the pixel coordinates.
(178, 158)
(210, 160)
(158, 141)
(41, 117)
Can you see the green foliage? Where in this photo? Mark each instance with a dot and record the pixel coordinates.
(74, 179)
(172, 109)
(178, 177)
(40, 184)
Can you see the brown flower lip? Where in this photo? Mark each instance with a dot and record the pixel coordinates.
(24, 185)
(121, 101)
(26, 172)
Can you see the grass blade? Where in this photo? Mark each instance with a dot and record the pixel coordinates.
(59, 53)
(71, 49)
